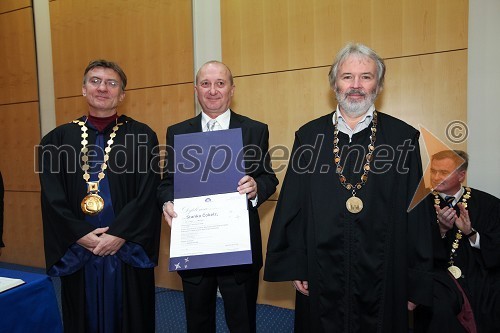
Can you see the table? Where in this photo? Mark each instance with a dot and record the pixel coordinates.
(31, 307)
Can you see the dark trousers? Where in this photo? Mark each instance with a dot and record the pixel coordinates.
(239, 302)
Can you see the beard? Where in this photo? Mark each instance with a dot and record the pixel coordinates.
(355, 108)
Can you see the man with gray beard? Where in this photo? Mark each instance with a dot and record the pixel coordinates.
(341, 231)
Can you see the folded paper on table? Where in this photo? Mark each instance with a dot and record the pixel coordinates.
(9, 283)
(212, 228)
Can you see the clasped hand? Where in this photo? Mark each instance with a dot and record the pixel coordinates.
(100, 243)
(447, 217)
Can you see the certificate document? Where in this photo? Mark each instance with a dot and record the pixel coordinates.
(212, 227)
(210, 231)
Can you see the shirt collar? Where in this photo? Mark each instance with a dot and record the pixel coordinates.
(222, 119)
(457, 195)
(361, 125)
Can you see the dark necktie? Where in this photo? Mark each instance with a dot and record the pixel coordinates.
(449, 201)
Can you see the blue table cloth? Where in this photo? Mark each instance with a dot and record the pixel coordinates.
(31, 307)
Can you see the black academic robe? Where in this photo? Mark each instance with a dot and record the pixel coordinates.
(361, 268)
(133, 178)
(480, 268)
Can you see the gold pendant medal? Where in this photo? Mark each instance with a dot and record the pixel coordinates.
(92, 204)
(455, 271)
(354, 204)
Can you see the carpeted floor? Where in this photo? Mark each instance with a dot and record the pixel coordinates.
(170, 315)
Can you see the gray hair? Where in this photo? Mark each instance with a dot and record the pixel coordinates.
(359, 50)
(106, 64)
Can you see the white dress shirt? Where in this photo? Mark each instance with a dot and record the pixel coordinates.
(361, 125)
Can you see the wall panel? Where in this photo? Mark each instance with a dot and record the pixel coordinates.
(151, 40)
(261, 36)
(18, 79)
(164, 278)
(10, 5)
(20, 133)
(23, 234)
(285, 101)
(427, 90)
(276, 293)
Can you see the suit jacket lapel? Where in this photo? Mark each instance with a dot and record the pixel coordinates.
(235, 120)
(195, 124)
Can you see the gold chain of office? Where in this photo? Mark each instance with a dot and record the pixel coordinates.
(93, 203)
(454, 270)
(354, 204)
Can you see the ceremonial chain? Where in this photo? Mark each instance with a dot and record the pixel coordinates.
(93, 203)
(454, 270)
(354, 204)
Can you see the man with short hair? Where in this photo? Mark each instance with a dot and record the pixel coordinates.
(466, 230)
(101, 223)
(238, 284)
(341, 231)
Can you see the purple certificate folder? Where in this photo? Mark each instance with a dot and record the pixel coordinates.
(212, 228)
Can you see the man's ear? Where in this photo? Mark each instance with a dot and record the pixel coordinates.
(461, 175)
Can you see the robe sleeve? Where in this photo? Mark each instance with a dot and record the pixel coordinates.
(61, 227)
(286, 258)
(420, 255)
(489, 230)
(139, 220)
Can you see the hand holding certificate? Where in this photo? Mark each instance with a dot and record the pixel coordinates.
(210, 231)
(212, 226)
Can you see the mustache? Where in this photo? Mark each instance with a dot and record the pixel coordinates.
(355, 92)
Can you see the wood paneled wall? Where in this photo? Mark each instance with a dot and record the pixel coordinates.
(20, 132)
(13, 5)
(280, 53)
(151, 40)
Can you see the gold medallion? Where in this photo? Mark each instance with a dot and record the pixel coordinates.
(92, 204)
(455, 271)
(354, 204)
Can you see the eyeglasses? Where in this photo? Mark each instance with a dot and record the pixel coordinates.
(96, 82)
